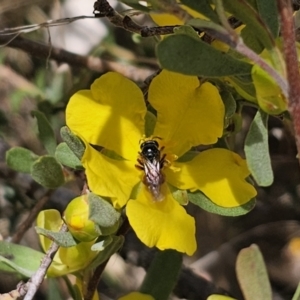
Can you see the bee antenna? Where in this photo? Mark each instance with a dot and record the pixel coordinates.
(157, 137)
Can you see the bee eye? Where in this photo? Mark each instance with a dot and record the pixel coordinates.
(155, 143)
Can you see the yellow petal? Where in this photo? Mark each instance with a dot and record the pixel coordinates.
(164, 224)
(136, 296)
(219, 173)
(188, 113)
(109, 177)
(49, 219)
(111, 114)
(72, 259)
(169, 19)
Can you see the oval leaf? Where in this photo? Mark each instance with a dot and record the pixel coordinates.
(102, 212)
(63, 239)
(229, 103)
(202, 59)
(47, 172)
(257, 150)
(73, 141)
(205, 203)
(252, 274)
(20, 159)
(46, 133)
(66, 156)
(268, 12)
(19, 259)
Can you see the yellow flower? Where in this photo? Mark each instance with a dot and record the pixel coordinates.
(112, 114)
(66, 260)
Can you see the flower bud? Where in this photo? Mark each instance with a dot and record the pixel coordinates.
(76, 217)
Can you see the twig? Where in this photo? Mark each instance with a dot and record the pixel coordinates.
(31, 217)
(47, 24)
(290, 53)
(103, 9)
(93, 283)
(30, 288)
(90, 62)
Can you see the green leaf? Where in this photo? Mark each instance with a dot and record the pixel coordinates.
(187, 30)
(102, 212)
(167, 265)
(111, 154)
(20, 159)
(73, 141)
(205, 203)
(257, 150)
(46, 133)
(268, 11)
(202, 59)
(214, 30)
(47, 172)
(66, 156)
(244, 88)
(112, 247)
(54, 291)
(252, 274)
(19, 259)
(229, 103)
(63, 239)
(250, 39)
(247, 14)
(268, 93)
(203, 7)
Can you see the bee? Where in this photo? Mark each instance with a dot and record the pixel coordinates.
(151, 162)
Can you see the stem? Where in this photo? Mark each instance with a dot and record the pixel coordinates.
(94, 281)
(291, 59)
(30, 288)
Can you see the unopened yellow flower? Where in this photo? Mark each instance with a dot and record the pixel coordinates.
(66, 260)
(189, 113)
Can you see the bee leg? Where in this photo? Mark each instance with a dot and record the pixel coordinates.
(140, 165)
(162, 161)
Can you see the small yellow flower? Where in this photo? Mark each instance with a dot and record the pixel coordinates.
(76, 217)
(66, 260)
(112, 115)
